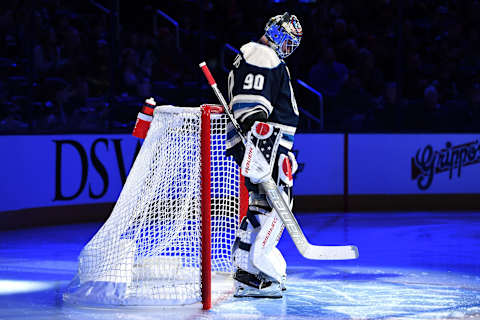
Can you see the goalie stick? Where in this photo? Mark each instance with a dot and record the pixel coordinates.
(275, 198)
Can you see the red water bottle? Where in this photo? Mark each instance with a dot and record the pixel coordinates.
(144, 119)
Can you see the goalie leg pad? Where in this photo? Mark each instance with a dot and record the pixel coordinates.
(263, 253)
(266, 266)
(260, 267)
(248, 231)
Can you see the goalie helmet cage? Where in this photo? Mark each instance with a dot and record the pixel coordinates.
(174, 223)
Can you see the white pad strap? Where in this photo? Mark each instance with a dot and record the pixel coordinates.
(293, 161)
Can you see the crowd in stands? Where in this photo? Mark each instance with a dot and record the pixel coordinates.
(427, 81)
(380, 65)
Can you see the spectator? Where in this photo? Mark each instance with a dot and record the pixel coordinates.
(8, 39)
(369, 74)
(130, 71)
(99, 69)
(73, 56)
(350, 53)
(427, 114)
(474, 108)
(75, 94)
(352, 105)
(11, 118)
(135, 79)
(168, 66)
(328, 75)
(49, 117)
(388, 111)
(46, 54)
(146, 56)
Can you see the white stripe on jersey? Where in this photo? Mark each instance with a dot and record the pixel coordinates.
(292, 95)
(253, 98)
(294, 102)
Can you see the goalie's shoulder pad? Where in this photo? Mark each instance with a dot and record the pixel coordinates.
(260, 55)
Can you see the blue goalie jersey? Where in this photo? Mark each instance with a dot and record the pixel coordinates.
(259, 87)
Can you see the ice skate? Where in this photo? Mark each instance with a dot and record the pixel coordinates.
(255, 286)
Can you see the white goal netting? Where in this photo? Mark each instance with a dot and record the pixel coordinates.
(149, 250)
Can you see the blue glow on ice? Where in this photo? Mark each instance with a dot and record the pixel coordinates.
(411, 266)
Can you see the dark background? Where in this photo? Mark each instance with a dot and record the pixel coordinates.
(380, 65)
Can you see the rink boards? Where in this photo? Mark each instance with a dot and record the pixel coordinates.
(71, 170)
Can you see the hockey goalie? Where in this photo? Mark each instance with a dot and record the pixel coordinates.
(263, 103)
(263, 117)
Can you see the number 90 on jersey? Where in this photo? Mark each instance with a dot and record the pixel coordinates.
(253, 81)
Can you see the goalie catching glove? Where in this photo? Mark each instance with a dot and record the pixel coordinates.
(260, 151)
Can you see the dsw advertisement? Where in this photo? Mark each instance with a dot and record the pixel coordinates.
(43, 171)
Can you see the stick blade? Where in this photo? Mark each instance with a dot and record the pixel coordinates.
(331, 252)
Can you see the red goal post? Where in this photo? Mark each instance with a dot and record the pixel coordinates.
(207, 110)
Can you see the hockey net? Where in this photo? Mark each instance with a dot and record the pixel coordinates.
(154, 248)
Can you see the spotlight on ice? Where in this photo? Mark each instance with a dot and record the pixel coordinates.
(23, 286)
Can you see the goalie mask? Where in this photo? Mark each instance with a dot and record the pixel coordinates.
(284, 33)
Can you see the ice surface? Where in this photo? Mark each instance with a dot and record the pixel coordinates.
(411, 266)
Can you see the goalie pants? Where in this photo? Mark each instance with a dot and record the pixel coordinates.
(255, 248)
